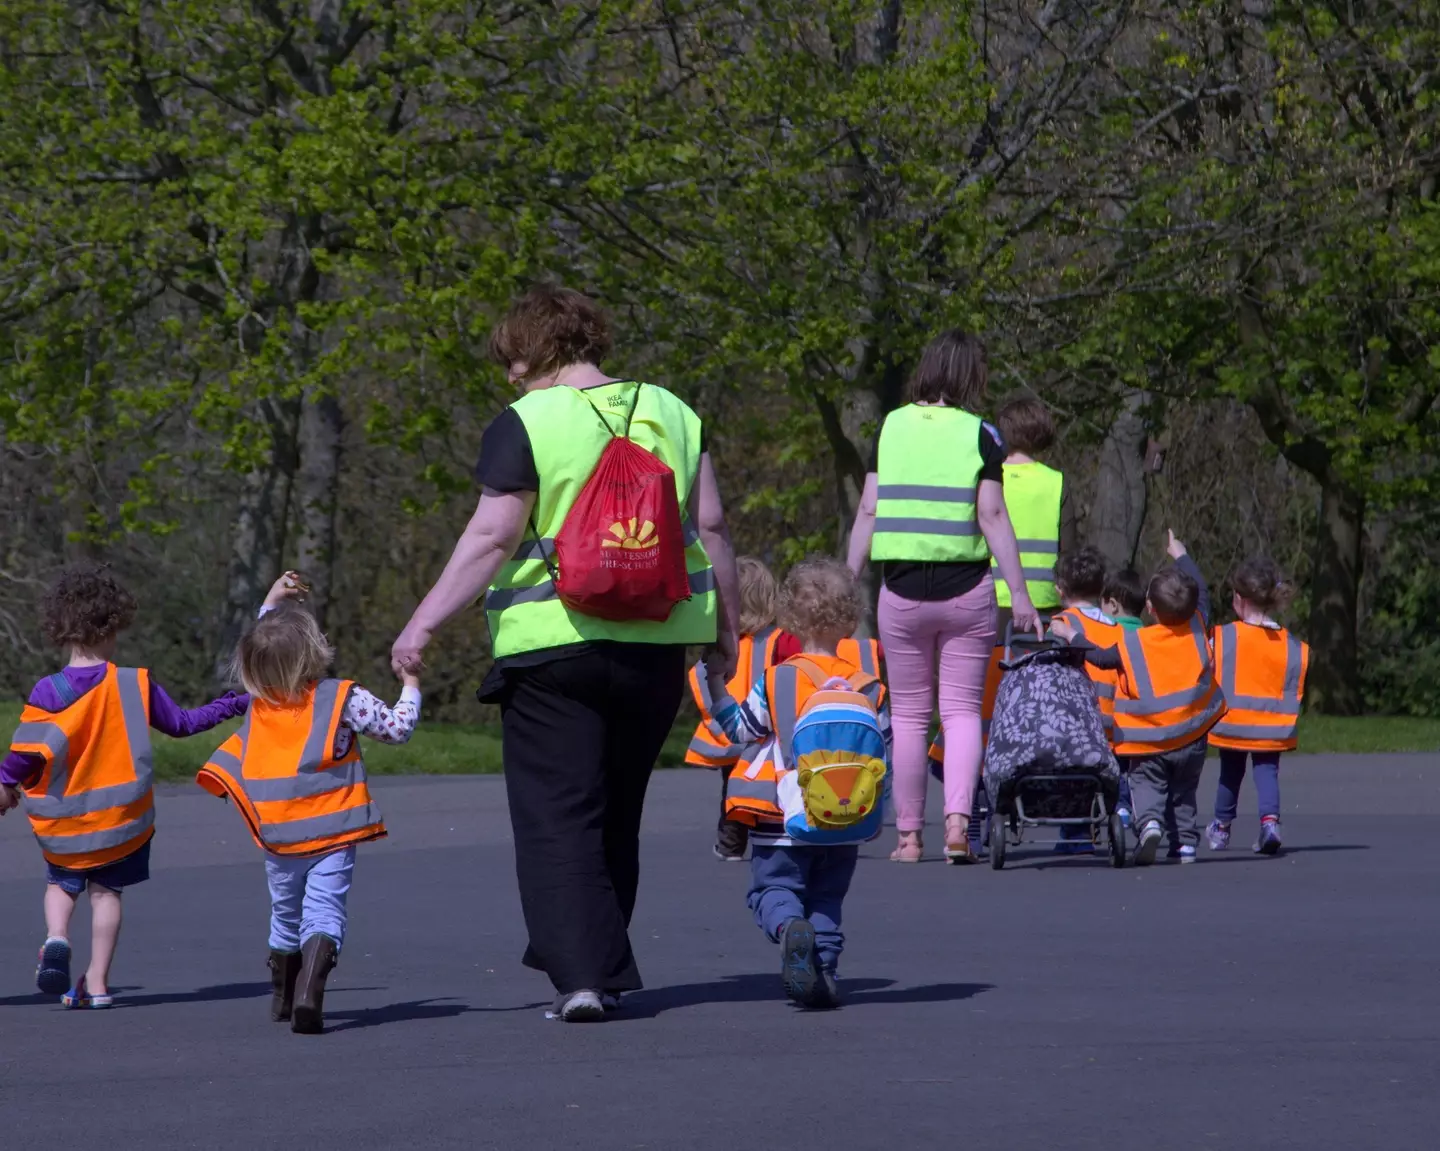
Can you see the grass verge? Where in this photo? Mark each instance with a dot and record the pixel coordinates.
(457, 748)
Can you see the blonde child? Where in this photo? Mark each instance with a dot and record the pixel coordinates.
(1262, 670)
(760, 641)
(295, 774)
(797, 891)
(82, 758)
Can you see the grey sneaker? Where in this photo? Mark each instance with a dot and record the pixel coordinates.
(1150, 836)
(577, 1007)
(1218, 835)
(1269, 841)
(798, 971)
(1186, 854)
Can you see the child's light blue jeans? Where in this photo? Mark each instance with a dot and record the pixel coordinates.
(307, 897)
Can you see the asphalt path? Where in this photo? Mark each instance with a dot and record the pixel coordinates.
(1285, 1003)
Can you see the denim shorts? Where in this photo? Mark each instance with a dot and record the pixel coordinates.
(133, 869)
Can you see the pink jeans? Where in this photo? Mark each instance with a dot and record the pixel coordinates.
(961, 632)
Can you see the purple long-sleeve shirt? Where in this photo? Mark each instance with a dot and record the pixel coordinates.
(166, 716)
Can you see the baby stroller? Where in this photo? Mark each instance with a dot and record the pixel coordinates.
(1049, 763)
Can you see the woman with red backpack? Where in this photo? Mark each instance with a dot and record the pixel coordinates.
(601, 539)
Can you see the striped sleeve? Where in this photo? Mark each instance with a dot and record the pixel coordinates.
(747, 722)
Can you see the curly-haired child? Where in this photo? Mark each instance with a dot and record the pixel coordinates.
(1262, 671)
(797, 890)
(82, 758)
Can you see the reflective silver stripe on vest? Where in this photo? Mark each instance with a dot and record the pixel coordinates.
(320, 826)
(919, 526)
(783, 706)
(306, 784)
(501, 598)
(1104, 690)
(1038, 575)
(760, 790)
(1253, 731)
(55, 804)
(92, 841)
(1040, 547)
(50, 736)
(712, 751)
(933, 493)
(1193, 726)
(316, 751)
(533, 549)
(867, 657)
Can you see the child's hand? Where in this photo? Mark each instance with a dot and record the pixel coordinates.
(291, 585)
(9, 797)
(410, 677)
(1174, 548)
(1062, 628)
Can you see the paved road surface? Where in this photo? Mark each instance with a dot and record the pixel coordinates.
(1285, 1003)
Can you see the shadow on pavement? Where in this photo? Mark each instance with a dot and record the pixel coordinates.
(927, 993)
(123, 998)
(410, 1011)
(763, 988)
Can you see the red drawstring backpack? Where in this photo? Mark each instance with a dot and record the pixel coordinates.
(621, 550)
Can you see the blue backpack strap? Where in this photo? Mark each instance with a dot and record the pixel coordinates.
(61, 686)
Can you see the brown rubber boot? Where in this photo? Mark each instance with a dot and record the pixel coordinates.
(284, 970)
(318, 955)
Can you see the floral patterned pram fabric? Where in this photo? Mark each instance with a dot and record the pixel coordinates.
(1047, 722)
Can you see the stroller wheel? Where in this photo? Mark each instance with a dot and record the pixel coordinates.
(998, 838)
(1117, 842)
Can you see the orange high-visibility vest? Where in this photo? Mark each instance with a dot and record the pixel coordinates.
(281, 771)
(94, 803)
(709, 746)
(1167, 694)
(1102, 635)
(1262, 673)
(862, 653)
(752, 794)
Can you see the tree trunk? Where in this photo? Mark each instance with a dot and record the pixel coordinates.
(1335, 566)
(1118, 512)
(258, 537)
(318, 482)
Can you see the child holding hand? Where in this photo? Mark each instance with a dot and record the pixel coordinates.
(296, 776)
(83, 761)
(797, 891)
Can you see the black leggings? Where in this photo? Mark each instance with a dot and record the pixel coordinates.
(581, 736)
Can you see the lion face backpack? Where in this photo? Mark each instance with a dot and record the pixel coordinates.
(833, 792)
(620, 553)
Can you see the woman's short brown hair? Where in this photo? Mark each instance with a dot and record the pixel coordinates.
(282, 655)
(951, 369)
(757, 595)
(819, 599)
(549, 328)
(86, 607)
(1025, 425)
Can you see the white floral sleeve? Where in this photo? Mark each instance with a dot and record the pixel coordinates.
(367, 715)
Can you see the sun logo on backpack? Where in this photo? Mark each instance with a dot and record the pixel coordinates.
(630, 537)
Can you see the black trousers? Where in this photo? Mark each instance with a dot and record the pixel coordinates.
(581, 737)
